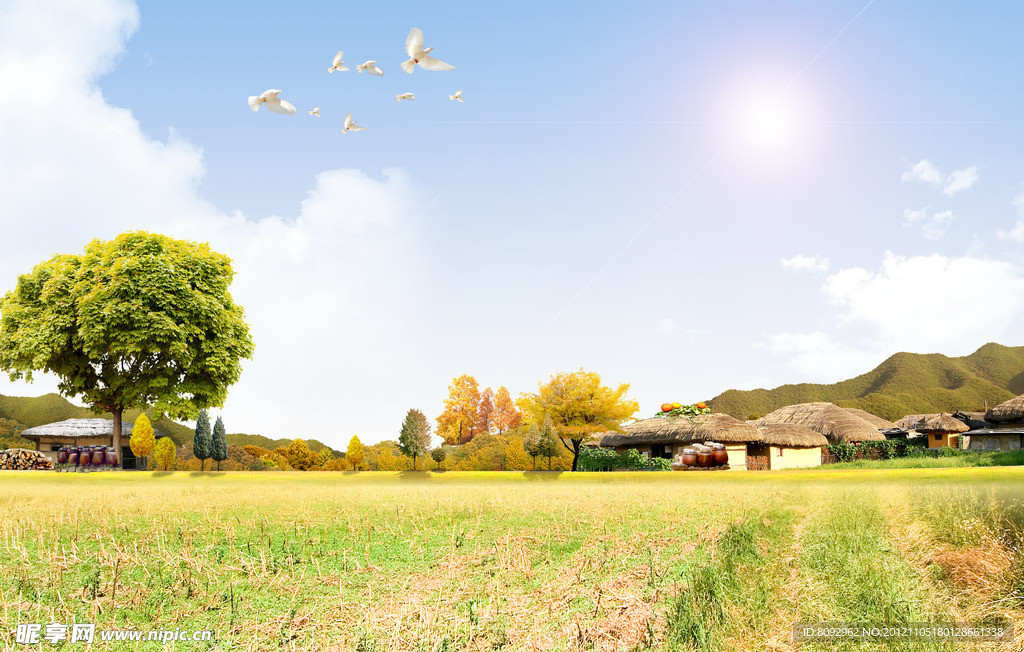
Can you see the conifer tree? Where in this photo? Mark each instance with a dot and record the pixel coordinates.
(219, 443)
(202, 442)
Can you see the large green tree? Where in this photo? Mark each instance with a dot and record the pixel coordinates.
(140, 320)
(579, 407)
(414, 438)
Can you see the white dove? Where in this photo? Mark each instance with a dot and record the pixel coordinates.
(273, 102)
(457, 96)
(315, 111)
(404, 96)
(350, 125)
(337, 64)
(370, 67)
(414, 48)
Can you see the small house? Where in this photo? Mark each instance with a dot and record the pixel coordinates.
(994, 439)
(940, 429)
(666, 437)
(50, 438)
(785, 446)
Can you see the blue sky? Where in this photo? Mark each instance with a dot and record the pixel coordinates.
(688, 197)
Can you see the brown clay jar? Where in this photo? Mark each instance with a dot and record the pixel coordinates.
(705, 458)
(689, 457)
(721, 455)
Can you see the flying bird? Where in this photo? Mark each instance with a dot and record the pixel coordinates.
(370, 67)
(337, 64)
(417, 55)
(273, 102)
(350, 125)
(457, 96)
(404, 96)
(315, 111)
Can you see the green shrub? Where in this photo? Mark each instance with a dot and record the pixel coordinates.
(604, 459)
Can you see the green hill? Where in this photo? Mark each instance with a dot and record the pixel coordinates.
(38, 410)
(906, 383)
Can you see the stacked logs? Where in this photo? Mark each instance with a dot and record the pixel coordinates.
(22, 459)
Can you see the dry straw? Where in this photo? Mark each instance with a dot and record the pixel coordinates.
(832, 421)
(932, 423)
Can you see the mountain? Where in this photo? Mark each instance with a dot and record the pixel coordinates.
(906, 383)
(37, 410)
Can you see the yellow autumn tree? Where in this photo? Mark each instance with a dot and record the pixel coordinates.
(355, 453)
(142, 441)
(579, 407)
(164, 453)
(516, 458)
(458, 423)
(505, 416)
(485, 411)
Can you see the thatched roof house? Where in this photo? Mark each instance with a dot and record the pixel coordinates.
(1011, 411)
(681, 430)
(790, 434)
(51, 437)
(873, 419)
(932, 423)
(785, 446)
(832, 421)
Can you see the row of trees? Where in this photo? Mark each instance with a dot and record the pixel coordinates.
(469, 412)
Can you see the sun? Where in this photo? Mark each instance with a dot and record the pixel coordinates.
(770, 122)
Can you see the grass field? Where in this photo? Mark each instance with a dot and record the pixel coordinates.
(513, 561)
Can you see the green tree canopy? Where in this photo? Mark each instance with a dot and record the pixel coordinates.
(219, 443)
(438, 455)
(579, 407)
(139, 320)
(414, 438)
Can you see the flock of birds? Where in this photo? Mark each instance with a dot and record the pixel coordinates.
(418, 56)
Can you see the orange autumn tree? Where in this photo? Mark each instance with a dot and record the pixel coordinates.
(458, 423)
(579, 406)
(506, 415)
(485, 412)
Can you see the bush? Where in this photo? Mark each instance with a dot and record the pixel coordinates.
(604, 459)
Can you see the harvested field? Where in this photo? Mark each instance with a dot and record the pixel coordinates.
(513, 561)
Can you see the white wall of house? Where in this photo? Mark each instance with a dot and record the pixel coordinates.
(784, 457)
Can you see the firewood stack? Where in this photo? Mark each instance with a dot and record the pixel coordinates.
(22, 459)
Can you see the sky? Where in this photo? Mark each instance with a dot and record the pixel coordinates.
(690, 198)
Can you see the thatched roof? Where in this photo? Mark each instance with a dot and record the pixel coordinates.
(78, 428)
(932, 423)
(834, 422)
(681, 430)
(1007, 411)
(974, 420)
(790, 434)
(874, 420)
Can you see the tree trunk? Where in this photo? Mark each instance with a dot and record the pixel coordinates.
(549, 464)
(576, 443)
(218, 465)
(116, 439)
(534, 462)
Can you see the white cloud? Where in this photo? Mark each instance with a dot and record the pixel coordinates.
(801, 263)
(666, 326)
(1016, 234)
(926, 172)
(75, 168)
(920, 304)
(960, 180)
(932, 228)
